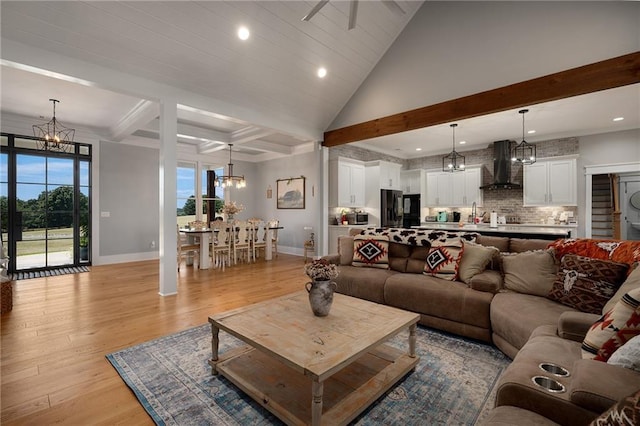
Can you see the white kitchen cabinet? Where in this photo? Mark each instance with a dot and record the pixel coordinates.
(388, 174)
(346, 183)
(412, 181)
(457, 189)
(551, 183)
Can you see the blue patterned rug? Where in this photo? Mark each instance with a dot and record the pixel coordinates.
(453, 384)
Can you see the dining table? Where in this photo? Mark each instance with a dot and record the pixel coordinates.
(203, 233)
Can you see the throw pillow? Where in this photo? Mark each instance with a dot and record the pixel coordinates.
(371, 251)
(443, 259)
(475, 260)
(632, 281)
(586, 284)
(628, 356)
(530, 272)
(624, 412)
(630, 329)
(609, 324)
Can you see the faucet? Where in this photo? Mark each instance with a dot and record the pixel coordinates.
(473, 212)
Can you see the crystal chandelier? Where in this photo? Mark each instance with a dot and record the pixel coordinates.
(454, 162)
(226, 181)
(524, 152)
(53, 136)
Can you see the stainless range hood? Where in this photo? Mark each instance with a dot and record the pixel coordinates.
(502, 167)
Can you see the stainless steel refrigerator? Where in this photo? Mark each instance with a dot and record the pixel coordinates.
(391, 208)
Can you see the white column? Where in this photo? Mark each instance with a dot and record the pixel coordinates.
(168, 166)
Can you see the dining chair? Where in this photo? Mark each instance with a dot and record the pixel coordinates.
(184, 249)
(242, 242)
(274, 235)
(259, 238)
(221, 245)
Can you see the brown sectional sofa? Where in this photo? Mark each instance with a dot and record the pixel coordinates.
(529, 328)
(450, 306)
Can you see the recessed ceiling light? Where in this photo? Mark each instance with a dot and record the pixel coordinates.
(243, 33)
(618, 119)
(531, 132)
(462, 142)
(418, 149)
(322, 72)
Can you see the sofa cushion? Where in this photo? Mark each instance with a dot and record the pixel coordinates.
(443, 259)
(530, 272)
(398, 256)
(474, 260)
(632, 282)
(450, 300)
(519, 245)
(364, 283)
(371, 251)
(501, 243)
(628, 356)
(585, 283)
(506, 415)
(345, 249)
(627, 408)
(596, 386)
(607, 327)
(415, 262)
(514, 316)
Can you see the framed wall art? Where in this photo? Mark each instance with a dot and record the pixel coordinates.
(290, 193)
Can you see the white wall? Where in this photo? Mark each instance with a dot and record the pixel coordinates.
(453, 49)
(292, 237)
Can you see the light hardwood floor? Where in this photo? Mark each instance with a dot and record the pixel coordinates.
(54, 342)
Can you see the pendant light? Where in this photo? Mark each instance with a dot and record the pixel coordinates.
(52, 135)
(226, 181)
(524, 152)
(454, 162)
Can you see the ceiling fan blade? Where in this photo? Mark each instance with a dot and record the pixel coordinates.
(353, 14)
(315, 10)
(393, 7)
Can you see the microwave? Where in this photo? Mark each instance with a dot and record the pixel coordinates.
(357, 218)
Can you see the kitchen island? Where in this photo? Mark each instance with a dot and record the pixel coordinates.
(529, 231)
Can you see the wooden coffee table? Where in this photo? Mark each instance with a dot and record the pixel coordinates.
(314, 370)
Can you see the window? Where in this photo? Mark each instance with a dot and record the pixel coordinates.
(186, 195)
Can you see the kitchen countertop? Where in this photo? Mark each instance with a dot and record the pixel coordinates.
(501, 229)
(352, 226)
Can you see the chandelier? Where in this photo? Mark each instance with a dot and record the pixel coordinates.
(524, 152)
(227, 181)
(454, 162)
(53, 136)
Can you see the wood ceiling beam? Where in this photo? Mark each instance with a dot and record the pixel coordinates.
(608, 74)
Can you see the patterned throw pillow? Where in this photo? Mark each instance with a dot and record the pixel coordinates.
(371, 251)
(607, 327)
(443, 259)
(624, 412)
(586, 284)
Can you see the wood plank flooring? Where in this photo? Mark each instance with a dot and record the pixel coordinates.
(54, 341)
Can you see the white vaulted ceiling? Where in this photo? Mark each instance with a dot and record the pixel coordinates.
(192, 46)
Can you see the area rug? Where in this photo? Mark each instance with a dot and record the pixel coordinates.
(453, 384)
(47, 273)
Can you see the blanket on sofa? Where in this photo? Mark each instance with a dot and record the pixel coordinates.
(419, 237)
